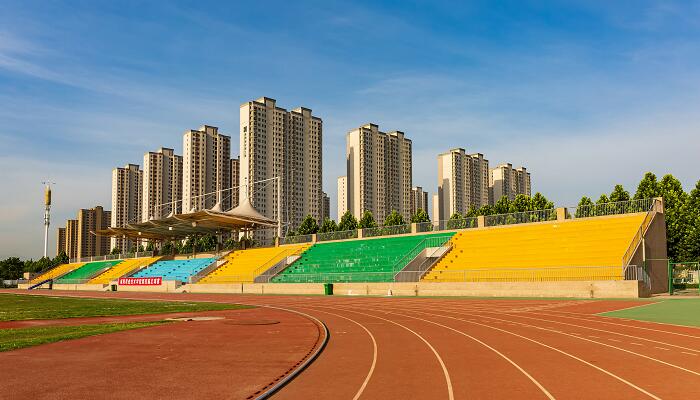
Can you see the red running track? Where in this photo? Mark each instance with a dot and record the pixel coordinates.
(398, 348)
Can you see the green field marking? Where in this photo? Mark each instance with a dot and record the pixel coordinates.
(13, 339)
(14, 307)
(672, 311)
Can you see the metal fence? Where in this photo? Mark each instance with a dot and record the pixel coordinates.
(296, 239)
(340, 235)
(121, 256)
(521, 217)
(387, 230)
(548, 274)
(612, 208)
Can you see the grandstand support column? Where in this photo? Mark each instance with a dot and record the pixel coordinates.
(561, 213)
(359, 233)
(314, 238)
(480, 221)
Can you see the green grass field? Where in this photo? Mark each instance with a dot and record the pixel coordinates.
(13, 339)
(15, 307)
(671, 311)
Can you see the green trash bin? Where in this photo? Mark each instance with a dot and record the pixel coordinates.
(328, 289)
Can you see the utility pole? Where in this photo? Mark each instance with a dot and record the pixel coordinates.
(47, 214)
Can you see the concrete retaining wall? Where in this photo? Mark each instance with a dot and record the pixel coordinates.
(571, 289)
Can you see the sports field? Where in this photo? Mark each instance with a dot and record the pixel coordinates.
(381, 348)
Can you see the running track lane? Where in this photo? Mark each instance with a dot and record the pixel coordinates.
(523, 341)
(217, 359)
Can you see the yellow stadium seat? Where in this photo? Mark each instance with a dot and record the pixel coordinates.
(56, 272)
(122, 269)
(243, 266)
(578, 249)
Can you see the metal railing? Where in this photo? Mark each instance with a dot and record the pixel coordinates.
(612, 208)
(548, 274)
(296, 239)
(340, 235)
(390, 230)
(521, 217)
(432, 241)
(120, 256)
(638, 238)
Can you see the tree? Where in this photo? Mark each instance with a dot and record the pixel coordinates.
(328, 225)
(168, 248)
(394, 218)
(485, 210)
(690, 243)
(140, 249)
(502, 206)
(619, 194)
(472, 212)
(367, 221)
(677, 225)
(648, 187)
(585, 208)
(420, 216)
(61, 258)
(150, 246)
(521, 203)
(206, 243)
(115, 250)
(308, 226)
(11, 268)
(602, 199)
(539, 202)
(348, 222)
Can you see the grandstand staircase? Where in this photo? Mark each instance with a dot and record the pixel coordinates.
(275, 269)
(421, 264)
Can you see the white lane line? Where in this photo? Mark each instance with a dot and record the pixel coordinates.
(621, 349)
(613, 340)
(513, 363)
(374, 345)
(636, 344)
(554, 349)
(625, 325)
(690, 354)
(450, 393)
(595, 337)
(661, 348)
(605, 331)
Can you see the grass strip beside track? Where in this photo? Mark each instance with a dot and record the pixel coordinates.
(13, 339)
(15, 307)
(672, 311)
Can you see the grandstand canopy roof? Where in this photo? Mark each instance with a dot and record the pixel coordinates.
(242, 218)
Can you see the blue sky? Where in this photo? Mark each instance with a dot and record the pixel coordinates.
(585, 94)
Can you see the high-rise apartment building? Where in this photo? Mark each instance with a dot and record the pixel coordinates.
(127, 186)
(72, 232)
(342, 196)
(162, 184)
(463, 183)
(419, 200)
(206, 169)
(379, 172)
(60, 240)
(91, 220)
(326, 210)
(235, 181)
(505, 180)
(274, 143)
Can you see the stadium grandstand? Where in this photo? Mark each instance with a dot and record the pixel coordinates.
(614, 242)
